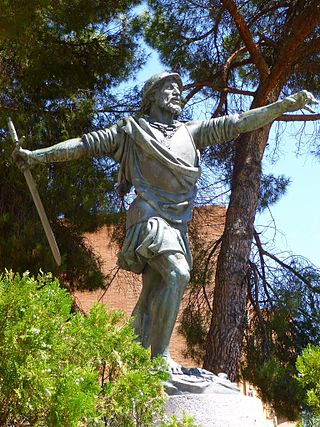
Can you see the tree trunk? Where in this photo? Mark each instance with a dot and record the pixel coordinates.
(230, 296)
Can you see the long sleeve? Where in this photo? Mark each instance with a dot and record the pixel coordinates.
(103, 142)
(213, 131)
(226, 128)
(108, 142)
(71, 149)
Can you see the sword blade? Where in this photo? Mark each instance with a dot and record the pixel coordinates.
(37, 201)
(43, 216)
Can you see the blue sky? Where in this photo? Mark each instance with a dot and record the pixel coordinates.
(296, 214)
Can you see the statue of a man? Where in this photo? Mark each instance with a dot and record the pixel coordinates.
(159, 157)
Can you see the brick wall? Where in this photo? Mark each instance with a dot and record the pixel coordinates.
(207, 226)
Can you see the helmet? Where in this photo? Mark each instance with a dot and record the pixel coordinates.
(154, 81)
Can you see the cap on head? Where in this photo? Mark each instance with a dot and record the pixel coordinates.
(152, 83)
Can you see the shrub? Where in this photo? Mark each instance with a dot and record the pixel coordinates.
(308, 366)
(186, 421)
(60, 368)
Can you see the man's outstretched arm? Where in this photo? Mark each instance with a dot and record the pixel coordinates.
(259, 117)
(226, 128)
(71, 149)
(102, 142)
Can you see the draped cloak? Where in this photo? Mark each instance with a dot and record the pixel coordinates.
(164, 179)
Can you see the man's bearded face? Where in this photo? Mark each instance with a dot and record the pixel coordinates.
(168, 96)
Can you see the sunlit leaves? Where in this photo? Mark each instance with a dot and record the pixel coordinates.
(60, 368)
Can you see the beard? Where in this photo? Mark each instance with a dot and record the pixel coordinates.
(167, 105)
(173, 108)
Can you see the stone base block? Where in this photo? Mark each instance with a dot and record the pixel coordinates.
(218, 410)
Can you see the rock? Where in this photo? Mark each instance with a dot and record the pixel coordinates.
(217, 409)
(199, 381)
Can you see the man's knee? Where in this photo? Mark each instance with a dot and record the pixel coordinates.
(173, 268)
(178, 270)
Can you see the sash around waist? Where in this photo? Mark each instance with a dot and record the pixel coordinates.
(177, 214)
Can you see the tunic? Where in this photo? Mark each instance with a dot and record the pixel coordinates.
(164, 179)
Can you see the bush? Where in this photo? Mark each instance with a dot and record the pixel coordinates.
(60, 368)
(184, 422)
(308, 366)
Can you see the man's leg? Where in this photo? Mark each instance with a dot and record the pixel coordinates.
(165, 299)
(151, 281)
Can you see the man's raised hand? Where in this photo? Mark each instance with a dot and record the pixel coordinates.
(23, 158)
(300, 100)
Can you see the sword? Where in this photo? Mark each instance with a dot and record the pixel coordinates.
(37, 201)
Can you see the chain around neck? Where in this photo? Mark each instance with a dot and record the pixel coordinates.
(167, 131)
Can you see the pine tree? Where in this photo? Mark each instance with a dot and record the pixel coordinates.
(60, 64)
(239, 55)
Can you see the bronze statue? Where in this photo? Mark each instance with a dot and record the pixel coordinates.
(159, 157)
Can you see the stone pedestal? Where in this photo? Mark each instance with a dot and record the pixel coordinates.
(218, 410)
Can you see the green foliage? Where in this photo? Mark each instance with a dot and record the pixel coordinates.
(60, 368)
(309, 420)
(284, 320)
(61, 63)
(277, 386)
(308, 366)
(271, 190)
(186, 421)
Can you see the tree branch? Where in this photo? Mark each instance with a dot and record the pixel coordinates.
(239, 91)
(198, 38)
(298, 118)
(290, 50)
(247, 37)
(107, 286)
(293, 271)
(312, 67)
(225, 75)
(262, 262)
(197, 86)
(197, 5)
(205, 274)
(192, 93)
(215, 37)
(264, 12)
(256, 307)
(237, 64)
(267, 40)
(306, 49)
